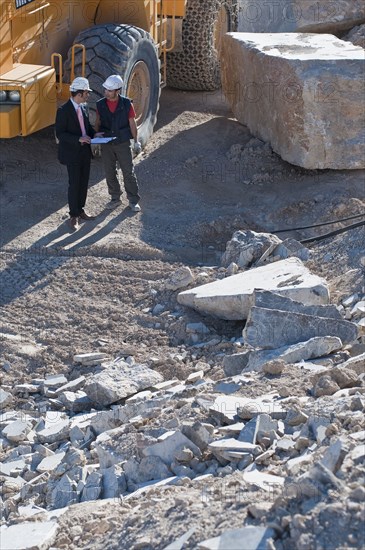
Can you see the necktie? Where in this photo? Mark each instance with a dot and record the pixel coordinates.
(81, 121)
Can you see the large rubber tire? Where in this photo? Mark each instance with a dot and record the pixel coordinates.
(197, 66)
(130, 52)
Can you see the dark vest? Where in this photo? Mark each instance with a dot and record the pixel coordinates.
(117, 123)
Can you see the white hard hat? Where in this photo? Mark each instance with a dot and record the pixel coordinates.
(113, 82)
(80, 83)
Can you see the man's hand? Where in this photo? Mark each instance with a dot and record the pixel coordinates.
(85, 139)
(137, 147)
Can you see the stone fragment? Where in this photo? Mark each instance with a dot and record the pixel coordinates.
(299, 16)
(17, 431)
(344, 377)
(119, 381)
(198, 434)
(356, 36)
(325, 386)
(235, 363)
(27, 388)
(89, 359)
(231, 298)
(56, 429)
(246, 247)
(168, 447)
(357, 363)
(266, 481)
(13, 467)
(273, 328)
(93, 487)
(334, 455)
(114, 482)
(50, 463)
(247, 538)
(180, 279)
(75, 401)
(64, 493)
(55, 381)
(295, 417)
(195, 377)
(73, 385)
(231, 444)
(28, 536)
(291, 91)
(274, 367)
(153, 467)
(313, 348)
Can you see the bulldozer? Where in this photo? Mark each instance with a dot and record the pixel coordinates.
(44, 44)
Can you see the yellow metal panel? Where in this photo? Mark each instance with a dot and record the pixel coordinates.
(10, 125)
(37, 86)
(6, 56)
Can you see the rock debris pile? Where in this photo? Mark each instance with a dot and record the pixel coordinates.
(258, 449)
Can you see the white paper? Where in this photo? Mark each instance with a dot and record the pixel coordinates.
(102, 140)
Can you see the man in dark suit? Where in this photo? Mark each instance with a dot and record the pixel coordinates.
(74, 133)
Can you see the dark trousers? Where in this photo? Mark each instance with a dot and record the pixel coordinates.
(120, 152)
(78, 180)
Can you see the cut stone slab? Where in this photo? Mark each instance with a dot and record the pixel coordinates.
(315, 347)
(28, 536)
(272, 328)
(299, 16)
(301, 93)
(119, 381)
(231, 298)
(271, 300)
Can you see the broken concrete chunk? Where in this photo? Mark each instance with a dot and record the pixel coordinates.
(119, 381)
(273, 328)
(231, 298)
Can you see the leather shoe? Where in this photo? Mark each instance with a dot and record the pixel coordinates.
(84, 216)
(74, 223)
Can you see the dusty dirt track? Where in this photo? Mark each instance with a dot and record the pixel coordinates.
(201, 176)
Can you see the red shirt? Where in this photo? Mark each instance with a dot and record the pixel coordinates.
(112, 105)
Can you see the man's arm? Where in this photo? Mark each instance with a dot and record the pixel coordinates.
(134, 129)
(61, 128)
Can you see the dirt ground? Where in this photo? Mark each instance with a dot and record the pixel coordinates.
(202, 176)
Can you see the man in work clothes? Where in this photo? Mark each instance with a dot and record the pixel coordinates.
(115, 117)
(74, 133)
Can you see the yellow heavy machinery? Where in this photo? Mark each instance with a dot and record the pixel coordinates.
(44, 44)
